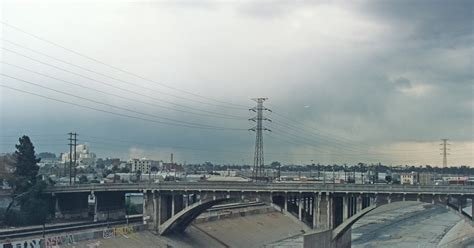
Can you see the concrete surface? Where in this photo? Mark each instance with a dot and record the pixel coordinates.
(327, 239)
(260, 230)
(404, 224)
(401, 224)
(461, 235)
(255, 230)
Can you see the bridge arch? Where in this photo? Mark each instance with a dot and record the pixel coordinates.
(181, 220)
(452, 203)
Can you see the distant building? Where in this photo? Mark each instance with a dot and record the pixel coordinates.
(457, 180)
(172, 167)
(425, 179)
(409, 178)
(143, 165)
(84, 157)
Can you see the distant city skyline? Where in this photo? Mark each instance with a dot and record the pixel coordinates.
(348, 82)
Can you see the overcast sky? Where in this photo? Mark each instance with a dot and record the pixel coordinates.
(348, 81)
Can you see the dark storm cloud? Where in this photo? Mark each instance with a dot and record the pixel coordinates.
(428, 19)
(371, 71)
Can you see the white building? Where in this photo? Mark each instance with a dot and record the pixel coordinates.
(84, 158)
(143, 165)
(409, 178)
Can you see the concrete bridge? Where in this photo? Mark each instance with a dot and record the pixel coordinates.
(172, 206)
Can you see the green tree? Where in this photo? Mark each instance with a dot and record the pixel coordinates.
(83, 179)
(27, 190)
(25, 166)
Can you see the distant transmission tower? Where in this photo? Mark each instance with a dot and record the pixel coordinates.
(258, 161)
(445, 154)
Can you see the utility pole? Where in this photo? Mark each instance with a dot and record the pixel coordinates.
(258, 162)
(72, 142)
(279, 171)
(445, 154)
(70, 157)
(75, 157)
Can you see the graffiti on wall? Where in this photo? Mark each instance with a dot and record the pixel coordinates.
(57, 241)
(125, 230)
(31, 243)
(117, 231)
(67, 239)
(108, 233)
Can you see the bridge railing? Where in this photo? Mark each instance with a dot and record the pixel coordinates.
(252, 186)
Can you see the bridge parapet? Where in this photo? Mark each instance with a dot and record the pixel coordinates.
(267, 187)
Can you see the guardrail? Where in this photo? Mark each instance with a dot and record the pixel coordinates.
(266, 187)
(26, 232)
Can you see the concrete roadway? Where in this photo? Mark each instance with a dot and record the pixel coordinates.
(408, 224)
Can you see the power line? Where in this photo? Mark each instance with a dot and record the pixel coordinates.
(113, 86)
(117, 68)
(110, 143)
(108, 76)
(306, 136)
(335, 137)
(115, 113)
(109, 105)
(331, 138)
(119, 96)
(315, 143)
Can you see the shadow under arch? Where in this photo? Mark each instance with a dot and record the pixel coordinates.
(181, 220)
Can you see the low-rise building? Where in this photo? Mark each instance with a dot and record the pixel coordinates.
(409, 178)
(143, 165)
(84, 157)
(426, 179)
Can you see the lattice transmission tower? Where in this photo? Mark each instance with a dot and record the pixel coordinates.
(444, 148)
(258, 161)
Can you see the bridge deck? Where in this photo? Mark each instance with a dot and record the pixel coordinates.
(268, 187)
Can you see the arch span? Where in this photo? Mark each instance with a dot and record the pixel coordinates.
(182, 219)
(347, 224)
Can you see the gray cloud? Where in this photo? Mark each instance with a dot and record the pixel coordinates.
(377, 72)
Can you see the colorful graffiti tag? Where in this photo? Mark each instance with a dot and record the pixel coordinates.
(117, 231)
(69, 239)
(57, 241)
(125, 230)
(32, 243)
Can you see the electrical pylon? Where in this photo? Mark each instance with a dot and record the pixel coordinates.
(445, 153)
(258, 161)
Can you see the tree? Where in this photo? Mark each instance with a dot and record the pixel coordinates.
(25, 166)
(83, 179)
(27, 190)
